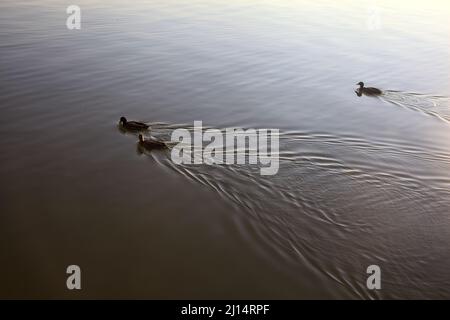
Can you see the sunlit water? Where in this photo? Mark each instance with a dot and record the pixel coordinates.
(362, 180)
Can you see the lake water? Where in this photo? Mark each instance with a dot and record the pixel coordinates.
(362, 180)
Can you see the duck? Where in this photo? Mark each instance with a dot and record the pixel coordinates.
(133, 125)
(151, 143)
(367, 91)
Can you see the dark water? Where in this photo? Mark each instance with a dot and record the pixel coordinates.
(362, 180)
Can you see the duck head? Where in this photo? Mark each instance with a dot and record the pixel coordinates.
(141, 138)
(123, 120)
(360, 84)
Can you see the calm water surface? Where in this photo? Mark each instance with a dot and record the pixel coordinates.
(362, 180)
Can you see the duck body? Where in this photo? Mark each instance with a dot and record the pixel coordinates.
(133, 125)
(151, 143)
(369, 91)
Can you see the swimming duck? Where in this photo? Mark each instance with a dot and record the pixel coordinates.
(132, 125)
(151, 143)
(367, 91)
